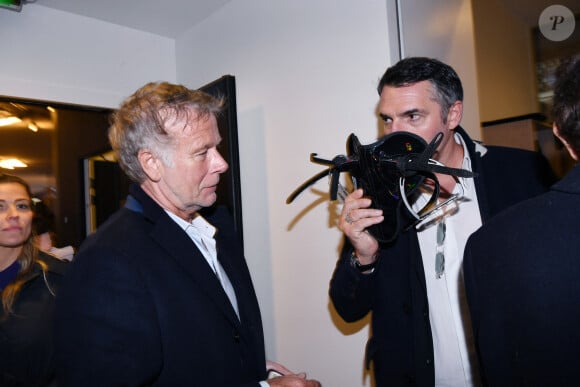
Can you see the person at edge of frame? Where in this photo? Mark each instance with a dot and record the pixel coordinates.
(522, 270)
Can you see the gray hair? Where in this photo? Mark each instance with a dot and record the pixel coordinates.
(140, 122)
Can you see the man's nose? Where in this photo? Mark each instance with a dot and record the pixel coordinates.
(221, 163)
(393, 127)
(397, 126)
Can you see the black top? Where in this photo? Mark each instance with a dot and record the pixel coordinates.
(9, 274)
(26, 351)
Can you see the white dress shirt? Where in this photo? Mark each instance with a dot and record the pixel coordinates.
(202, 234)
(454, 351)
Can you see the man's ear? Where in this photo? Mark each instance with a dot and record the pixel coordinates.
(454, 114)
(570, 150)
(150, 163)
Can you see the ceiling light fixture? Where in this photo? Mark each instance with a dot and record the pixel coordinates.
(5, 121)
(12, 163)
(32, 126)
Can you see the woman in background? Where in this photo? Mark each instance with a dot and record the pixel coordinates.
(29, 279)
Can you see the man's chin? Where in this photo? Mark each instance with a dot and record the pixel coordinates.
(210, 200)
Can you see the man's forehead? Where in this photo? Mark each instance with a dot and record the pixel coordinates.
(417, 87)
(406, 98)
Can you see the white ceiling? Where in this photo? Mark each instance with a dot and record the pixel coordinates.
(169, 18)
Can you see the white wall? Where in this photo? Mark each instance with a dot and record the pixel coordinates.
(443, 29)
(306, 74)
(56, 56)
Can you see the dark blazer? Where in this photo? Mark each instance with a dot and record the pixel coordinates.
(522, 278)
(401, 346)
(141, 306)
(26, 345)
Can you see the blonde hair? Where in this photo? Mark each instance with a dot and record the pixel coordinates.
(27, 258)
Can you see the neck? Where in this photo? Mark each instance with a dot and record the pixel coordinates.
(455, 160)
(8, 255)
(164, 201)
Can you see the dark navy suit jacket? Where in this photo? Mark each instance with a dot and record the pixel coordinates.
(522, 277)
(141, 306)
(401, 346)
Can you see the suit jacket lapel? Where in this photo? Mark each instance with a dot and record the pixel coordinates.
(233, 273)
(231, 258)
(184, 251)
(188, 256)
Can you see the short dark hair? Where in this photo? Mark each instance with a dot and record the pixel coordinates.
(566, 102)
(446, 83)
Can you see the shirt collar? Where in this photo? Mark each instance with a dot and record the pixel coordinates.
(199, 223)
(465, 182)
(464, 190)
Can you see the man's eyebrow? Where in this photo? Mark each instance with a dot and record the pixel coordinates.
(384, 117)
(411, 111)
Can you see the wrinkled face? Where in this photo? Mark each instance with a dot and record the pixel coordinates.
(15, 215)
(413, 109)
(190, 180)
